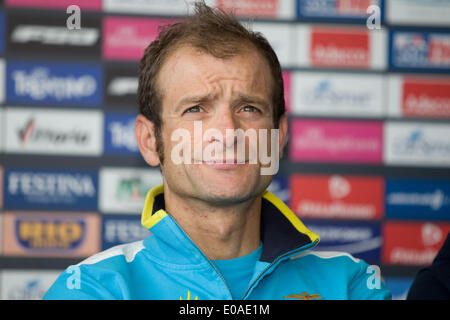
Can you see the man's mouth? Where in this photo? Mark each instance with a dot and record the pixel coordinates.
(223, 163)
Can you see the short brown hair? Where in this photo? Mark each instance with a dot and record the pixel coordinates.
(212, 31)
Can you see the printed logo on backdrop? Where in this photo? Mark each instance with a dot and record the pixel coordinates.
(54, 83)
(50, 189)
(346, 47)
(419, 50)
(121, 84)
(127, 38)
(51, 234)
(119, 134)
(418, 199)
(72, 231)
(336, 141)
(360, 239)
(336, 9)
(425, 97)
(343, 197)
(417, 144)
(413, 243)
(61, 4)
(46, 36)
(26, 285)
(317, 93)
(340, 47)
(123, 190)
(427, 13)
(118, 230)
(58, 132)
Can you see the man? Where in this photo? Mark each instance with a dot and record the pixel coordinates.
(216, 232)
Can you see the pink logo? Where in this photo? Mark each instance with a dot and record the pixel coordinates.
(63, 4)
(127, 38)
(336, 141)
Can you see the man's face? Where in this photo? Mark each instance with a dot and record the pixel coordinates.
(202, 94)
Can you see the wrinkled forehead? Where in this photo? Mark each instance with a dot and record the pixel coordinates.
(191, 69)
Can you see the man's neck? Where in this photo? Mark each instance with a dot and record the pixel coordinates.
(220, 232)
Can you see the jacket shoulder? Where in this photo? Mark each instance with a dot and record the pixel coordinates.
(104, 275)
(331, 257)
(127, 251)
(362, 281)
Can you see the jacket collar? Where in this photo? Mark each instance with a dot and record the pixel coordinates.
(281, 230)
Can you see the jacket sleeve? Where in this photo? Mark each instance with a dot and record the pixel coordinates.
(367, 284)
(77, 283)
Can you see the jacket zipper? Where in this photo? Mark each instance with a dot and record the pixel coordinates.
(275, 261)
(204, 256)
(259, 276)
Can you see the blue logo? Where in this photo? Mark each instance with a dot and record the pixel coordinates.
(361, 239)
(119, 134)
(120, 229)
(418, 199)
(54, 84)
(336, 10)
(419, 50)
(50, 190)
(423, 144)
(325, 93)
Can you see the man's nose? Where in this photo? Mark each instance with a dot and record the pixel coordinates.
(226, 123)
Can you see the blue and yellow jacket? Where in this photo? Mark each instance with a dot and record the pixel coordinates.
(168, 265)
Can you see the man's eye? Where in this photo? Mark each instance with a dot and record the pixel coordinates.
(194, 109)
(249, 109)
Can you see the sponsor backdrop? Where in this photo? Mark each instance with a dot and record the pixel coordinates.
(367, 163)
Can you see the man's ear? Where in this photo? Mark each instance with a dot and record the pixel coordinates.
(146, 140)
(282, 133)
